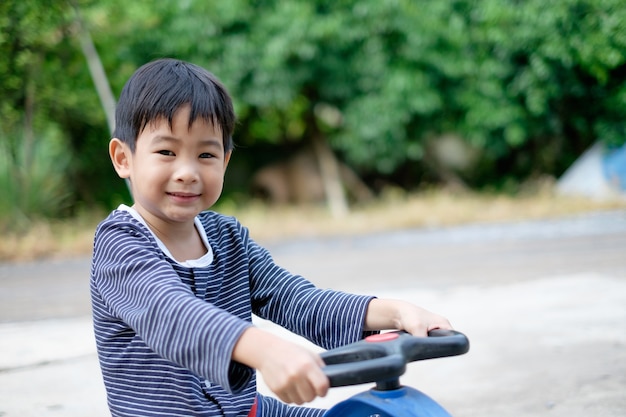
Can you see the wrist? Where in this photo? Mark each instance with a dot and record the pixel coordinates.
(383, 314)
(249, 348)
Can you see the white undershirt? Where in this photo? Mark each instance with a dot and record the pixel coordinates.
(201, 262)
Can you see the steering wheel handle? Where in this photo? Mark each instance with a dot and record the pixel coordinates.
(384, 356)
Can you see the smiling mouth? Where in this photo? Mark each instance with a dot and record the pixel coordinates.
(183, 195)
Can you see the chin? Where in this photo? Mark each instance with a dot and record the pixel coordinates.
(183, 217)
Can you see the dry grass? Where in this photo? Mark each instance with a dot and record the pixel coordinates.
(430, 209)
(268, 224)
(58, 239)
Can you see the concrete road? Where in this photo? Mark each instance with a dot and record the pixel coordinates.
(543, 303)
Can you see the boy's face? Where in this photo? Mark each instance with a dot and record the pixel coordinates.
(174, 174)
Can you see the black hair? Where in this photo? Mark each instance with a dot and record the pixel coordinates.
(160, 88)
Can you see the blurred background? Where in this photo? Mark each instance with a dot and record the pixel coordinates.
(503, 118)
(341, 104)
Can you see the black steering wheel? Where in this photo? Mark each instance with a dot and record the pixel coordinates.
(382, 358)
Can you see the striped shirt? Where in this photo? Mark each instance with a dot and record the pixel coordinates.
(165, 330)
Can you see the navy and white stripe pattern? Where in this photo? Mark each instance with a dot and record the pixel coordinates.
(165, 332)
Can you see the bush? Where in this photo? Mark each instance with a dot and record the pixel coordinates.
(34, 179)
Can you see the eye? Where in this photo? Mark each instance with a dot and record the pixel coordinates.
(166, 153)
(206, 155)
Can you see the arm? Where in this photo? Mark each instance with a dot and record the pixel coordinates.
(294, 374)
(395, 314)
(325, 317)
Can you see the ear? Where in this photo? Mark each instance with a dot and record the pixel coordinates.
(120, 156)
(227, 156)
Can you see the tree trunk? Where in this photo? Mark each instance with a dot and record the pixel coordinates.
(331, 177)
(98, 75)
(96, 69)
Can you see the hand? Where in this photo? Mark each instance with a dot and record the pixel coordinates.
(385, 314)
(292, 372)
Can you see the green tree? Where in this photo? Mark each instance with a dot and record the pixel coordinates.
(33, 166)
(548, 82)
(377, 79)
(529, 85)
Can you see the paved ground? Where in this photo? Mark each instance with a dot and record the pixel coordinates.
(543, 303)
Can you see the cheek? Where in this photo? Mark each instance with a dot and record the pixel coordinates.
(148, 171)
(213, 181)
(215, 176)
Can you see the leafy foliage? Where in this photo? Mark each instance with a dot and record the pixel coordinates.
(528, 85)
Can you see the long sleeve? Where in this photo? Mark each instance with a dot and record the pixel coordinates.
(325, 317)
(165, 332)
(144, 291)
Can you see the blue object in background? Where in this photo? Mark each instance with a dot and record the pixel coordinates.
(614, 167)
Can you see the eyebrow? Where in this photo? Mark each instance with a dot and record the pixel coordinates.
(166, 138)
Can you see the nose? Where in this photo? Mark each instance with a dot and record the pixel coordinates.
(187, 173)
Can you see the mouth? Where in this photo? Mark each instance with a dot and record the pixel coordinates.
(183, 195)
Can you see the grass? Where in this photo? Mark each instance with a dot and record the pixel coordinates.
(429, 209)
(73, 238)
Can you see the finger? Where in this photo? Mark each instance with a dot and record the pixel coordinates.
(321, 385)
(283, 396)
(418, 330)
(320, 380)
(305, 393)
(441, 324)
(320, 362)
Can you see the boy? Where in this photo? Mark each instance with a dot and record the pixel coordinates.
(174, 286)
